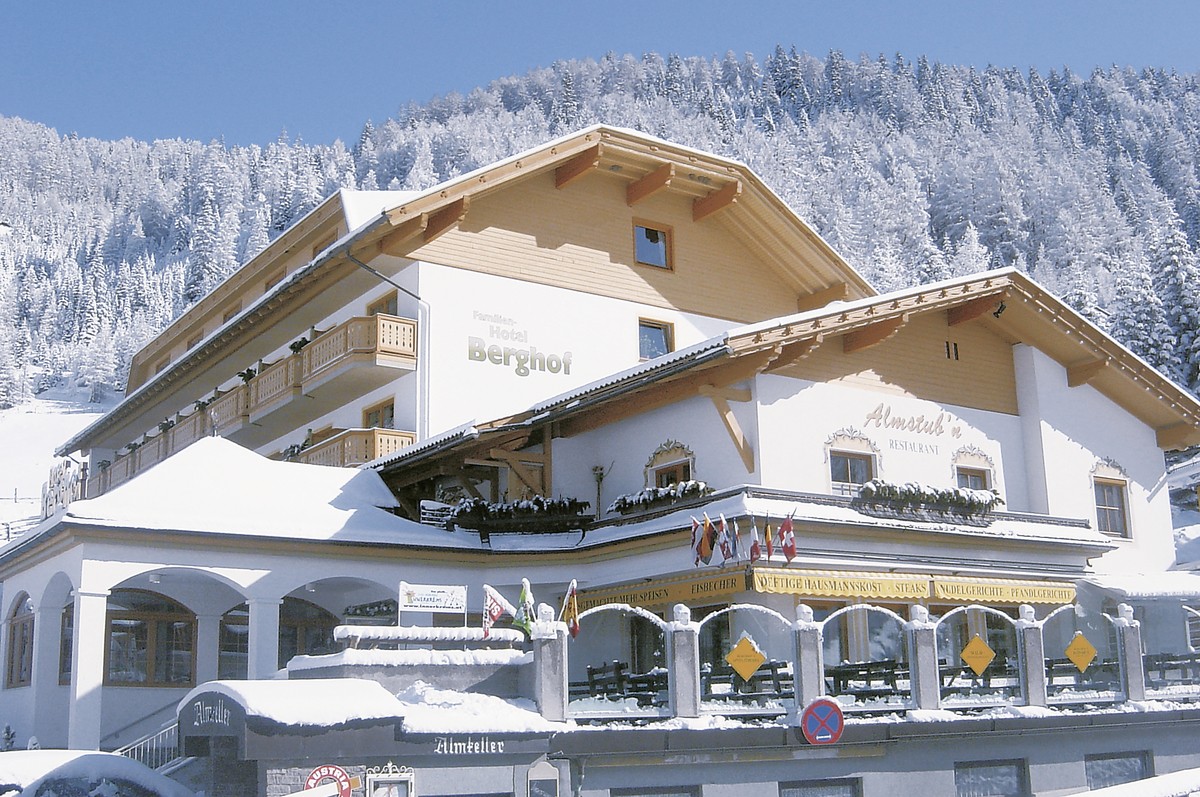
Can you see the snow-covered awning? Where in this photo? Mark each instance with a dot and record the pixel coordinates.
(1146, 586)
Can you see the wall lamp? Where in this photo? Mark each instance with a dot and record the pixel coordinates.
(1000, 308)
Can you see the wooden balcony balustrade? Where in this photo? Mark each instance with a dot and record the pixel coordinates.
(355, 446)
(332, 359)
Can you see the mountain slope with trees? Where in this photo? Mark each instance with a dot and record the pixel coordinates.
(913, 171)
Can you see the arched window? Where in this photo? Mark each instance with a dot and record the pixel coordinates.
(151, 640)
(304, 628)
(66, 643)
(20, 643)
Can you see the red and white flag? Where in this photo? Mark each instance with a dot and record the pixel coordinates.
(787, 540)
(723, 541)
(494, 607)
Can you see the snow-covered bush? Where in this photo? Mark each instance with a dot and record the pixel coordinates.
(659, 496)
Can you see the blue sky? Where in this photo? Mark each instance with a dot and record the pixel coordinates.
(245, 70)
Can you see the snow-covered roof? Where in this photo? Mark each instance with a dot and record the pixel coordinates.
(1146, 586)
(27, 770)
(216, 486)
(307, 701)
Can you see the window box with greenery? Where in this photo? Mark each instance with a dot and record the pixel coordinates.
(537, 514)
(914, 501)
(657, 497)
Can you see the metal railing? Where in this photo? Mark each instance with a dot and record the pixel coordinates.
(156, 750)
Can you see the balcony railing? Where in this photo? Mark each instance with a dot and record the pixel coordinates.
(378, 340)
(356, 446)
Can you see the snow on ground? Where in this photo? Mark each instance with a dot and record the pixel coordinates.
(28, 436)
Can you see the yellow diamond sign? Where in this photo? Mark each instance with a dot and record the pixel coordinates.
(977, 655)
(745, 658)
(1080, 651)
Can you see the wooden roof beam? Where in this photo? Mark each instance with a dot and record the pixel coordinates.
(650, 184)
(442, 220)
(969, 311)
(723, 197)
(872, 335)
(578, 166)
(395, 242)
(1084, 372)
(1177, 436)
(814, 301)
(721, 396)
(794, 353)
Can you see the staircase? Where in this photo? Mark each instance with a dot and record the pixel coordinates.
(158, 750)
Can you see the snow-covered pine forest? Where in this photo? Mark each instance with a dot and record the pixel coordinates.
(913, 171)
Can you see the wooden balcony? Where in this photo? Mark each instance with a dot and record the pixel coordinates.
(355, 446)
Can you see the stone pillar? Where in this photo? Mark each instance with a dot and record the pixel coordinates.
(922, 659)
(550, 665)
(87, 669)
(1031, 653)
(809, 669)
(208, 646)
(47, 711)
(1129, 653)
(683, 664)
(264, 637)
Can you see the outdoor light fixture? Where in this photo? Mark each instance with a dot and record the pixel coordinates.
(1000, 310)
(310, 588)
(155, 578)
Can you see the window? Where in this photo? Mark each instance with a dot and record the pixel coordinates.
(651, 246)
(674, 473)
(162, 365)
(381, 416)
(20, 643)
(655, 338)
(973, 478)
(821, 788)
(194, 340)
(66, 643)
(231, 312)
(1193, 627)
(151, 640)
(274, 280)
(384, 306)
(1113, 769)
(323, 244)
(991, 779)
(849, 471)
(304, 628)
(1111, 518)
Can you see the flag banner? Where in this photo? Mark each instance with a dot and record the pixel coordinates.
(695, 542)
(525, 614)
(787, 540)
(569, 613)
(723, 541)
(707, 537)
(755, 545)
(735, 542)
(770, 540)
(494, 607)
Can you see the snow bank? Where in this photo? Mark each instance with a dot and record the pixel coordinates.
(29, 769)
(428, 709)
(314, 702)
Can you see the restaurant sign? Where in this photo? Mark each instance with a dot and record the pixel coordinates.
(840, 584)
(997, 591)
(665, 592)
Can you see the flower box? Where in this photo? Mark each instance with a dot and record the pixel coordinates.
(656, 497)
(912, 501)
(536, 515)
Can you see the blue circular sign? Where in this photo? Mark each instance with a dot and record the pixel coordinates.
(822, 721)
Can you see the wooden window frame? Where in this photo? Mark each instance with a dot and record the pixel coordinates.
(850, 488)
(19, 669)
(668, 330)
(377, 408)
(323, 244)
(194, 341)
(1106, 513)
(162, 365)
(390, 304)
(668, 245)
(984, 474)
(273, 280)
(151, 619)
(231, 312)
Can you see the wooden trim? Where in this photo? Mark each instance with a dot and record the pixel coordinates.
(723, 197)
(872, 335)
(739, 394)
(814, 301)
(1177, 436)
(1084, 372)
(650, 184)
(394, 242)
(968, 311)
(793, 352)
(578, 166)
(720, 398)
(516, 463)
(442, 220)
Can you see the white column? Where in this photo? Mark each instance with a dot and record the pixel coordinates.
(87, 670)
(208, 641)
(264, 637)
(47, 632)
